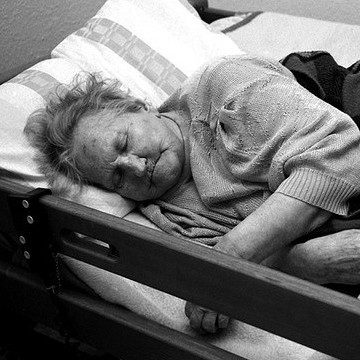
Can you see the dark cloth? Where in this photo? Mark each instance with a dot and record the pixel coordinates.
(319, 73)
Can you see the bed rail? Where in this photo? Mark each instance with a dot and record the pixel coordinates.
(96, 322)
(306, 313)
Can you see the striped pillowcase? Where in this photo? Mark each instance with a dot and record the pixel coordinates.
(19, 97)
(151, 46)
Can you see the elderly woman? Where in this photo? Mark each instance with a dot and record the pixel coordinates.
(241, 157)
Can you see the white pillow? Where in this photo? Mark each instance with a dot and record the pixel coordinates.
(19, 97)
(151, 46)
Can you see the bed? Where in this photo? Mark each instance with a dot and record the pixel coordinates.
(92, 269)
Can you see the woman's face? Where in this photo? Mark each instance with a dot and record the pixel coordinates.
(138, 155)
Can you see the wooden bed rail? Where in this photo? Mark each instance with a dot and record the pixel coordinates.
(99, 323)
(306, 313)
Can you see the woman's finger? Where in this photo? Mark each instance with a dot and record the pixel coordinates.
(209, 321)
(222, 321)
(189, 307)
(205, 320)
(196, 317)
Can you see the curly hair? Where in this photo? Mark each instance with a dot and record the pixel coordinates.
(50, 129)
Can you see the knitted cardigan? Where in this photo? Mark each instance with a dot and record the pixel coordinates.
(251, 130)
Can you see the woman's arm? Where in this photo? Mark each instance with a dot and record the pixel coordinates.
(277, 222)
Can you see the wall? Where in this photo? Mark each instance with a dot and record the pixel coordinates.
(345, 11)
(29, 29)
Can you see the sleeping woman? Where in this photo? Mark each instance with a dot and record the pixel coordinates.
(241, 157)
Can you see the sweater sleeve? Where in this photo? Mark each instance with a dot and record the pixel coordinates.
(318, 162)
(276, 132)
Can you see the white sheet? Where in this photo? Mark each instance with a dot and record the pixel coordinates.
(276, 35)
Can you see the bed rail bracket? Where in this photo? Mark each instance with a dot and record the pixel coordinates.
(34, 250)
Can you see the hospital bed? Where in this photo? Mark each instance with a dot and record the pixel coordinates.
(94, 271)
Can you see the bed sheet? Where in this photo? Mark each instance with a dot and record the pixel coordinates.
(276, 35)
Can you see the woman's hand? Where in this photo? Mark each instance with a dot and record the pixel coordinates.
(204, 320)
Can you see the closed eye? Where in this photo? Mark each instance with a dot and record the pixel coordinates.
(121, 143)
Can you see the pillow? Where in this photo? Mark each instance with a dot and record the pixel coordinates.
(19, 97)
(151, 46)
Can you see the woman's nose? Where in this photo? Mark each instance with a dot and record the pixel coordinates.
(132, 163)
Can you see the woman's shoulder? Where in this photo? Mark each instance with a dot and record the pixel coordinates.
(246, 64)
